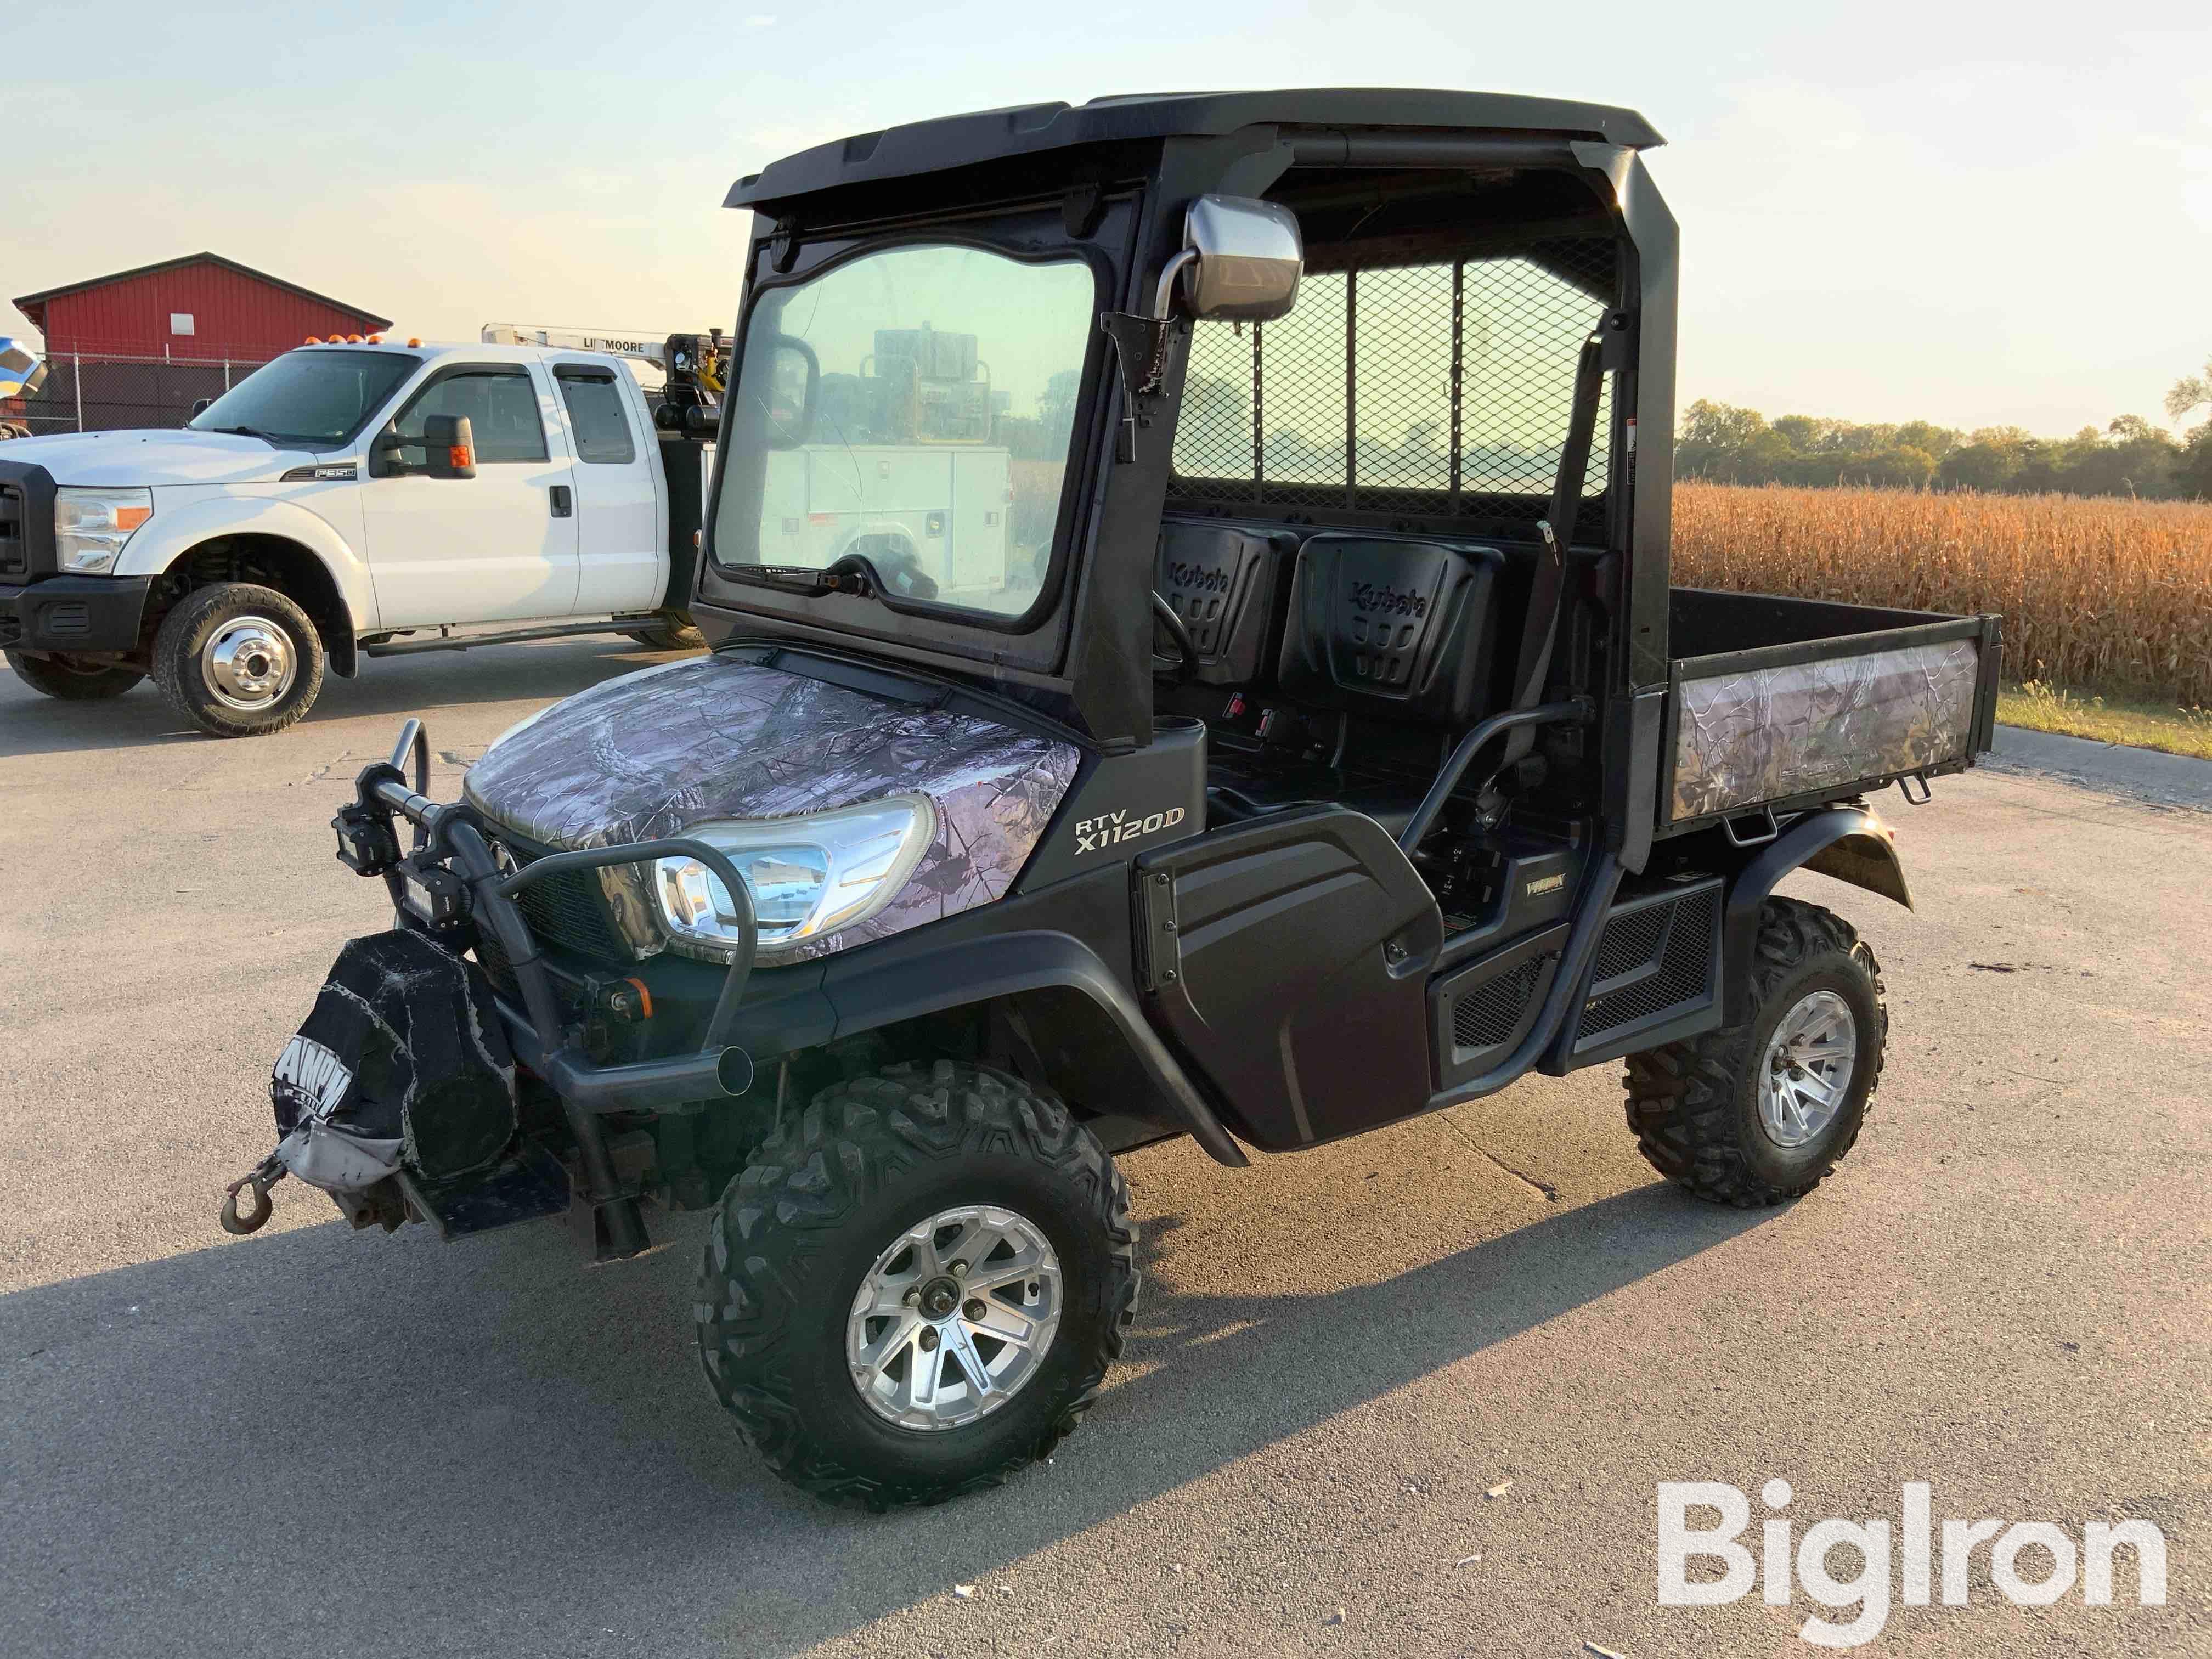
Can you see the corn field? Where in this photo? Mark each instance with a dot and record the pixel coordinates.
(2103, 595)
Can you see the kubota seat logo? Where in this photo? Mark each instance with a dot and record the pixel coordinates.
(1381, 598)
(1197, 577)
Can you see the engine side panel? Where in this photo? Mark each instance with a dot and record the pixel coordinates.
(1287, 958)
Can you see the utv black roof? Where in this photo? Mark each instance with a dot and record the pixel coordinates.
(954, 141)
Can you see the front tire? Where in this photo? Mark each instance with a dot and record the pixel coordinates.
(239, 660)
(1759, 1112)
(70, 680)
(674, 630)
(846, 1245)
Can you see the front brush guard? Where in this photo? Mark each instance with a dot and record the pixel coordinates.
(450, 880)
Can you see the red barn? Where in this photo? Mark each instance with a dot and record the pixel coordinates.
(202, 306)
(139, 347)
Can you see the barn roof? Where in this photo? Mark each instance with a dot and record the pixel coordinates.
(25, 302)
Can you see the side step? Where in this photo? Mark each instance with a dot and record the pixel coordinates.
(512, 636)
(529, 1185)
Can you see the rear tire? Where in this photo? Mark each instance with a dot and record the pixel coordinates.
(65, 678)
(1696, 1107)
(808, 1236)
(239, 660)
(674, 631)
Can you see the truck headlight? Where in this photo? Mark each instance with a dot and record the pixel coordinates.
(91, 525)
(807, 875)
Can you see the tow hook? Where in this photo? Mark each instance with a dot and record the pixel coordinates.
(265, 1174)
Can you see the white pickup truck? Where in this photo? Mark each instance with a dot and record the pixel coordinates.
(352, 499)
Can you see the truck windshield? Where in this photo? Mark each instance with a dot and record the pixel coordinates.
(317, 396)
(913, 406)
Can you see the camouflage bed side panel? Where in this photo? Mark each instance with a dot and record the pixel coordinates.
(652, 754)
(1774, 733)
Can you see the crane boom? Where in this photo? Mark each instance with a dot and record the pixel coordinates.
(697, 365)
(642, 348)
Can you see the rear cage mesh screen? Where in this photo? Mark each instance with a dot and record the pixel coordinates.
(1429, 388)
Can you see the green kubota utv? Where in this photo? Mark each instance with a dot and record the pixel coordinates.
(1193, 655)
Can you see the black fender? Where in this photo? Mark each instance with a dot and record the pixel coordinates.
(965, 973)
(1848, 842)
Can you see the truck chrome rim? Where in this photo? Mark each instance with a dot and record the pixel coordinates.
(1808, 1069)
(248, 663)
(955, 1318)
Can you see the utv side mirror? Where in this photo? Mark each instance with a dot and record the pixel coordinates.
(1243, 258)
(202, 407)
(451, 443)
(793, 387)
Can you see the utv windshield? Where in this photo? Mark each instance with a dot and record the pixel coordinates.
(318, 396)
(915, 407)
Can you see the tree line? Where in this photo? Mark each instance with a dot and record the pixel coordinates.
(2128, 457)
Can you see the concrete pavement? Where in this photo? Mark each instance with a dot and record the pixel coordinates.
(318, 1442)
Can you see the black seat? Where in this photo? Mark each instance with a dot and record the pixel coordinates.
(1399, 632)
(1221, 581)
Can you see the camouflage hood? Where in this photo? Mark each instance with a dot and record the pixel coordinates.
(721, 738)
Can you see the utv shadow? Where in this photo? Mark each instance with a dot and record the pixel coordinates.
(494, 1428)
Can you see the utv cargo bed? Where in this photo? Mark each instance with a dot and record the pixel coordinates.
(1782, 703)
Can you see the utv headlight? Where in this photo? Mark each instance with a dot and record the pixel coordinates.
(91, 525)
(807, 875)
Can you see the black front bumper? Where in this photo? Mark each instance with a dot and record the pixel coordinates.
(451, 888)
(26, 522)
(74, 613)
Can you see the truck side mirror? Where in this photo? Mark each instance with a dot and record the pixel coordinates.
(451, 443)
(202, 407)
(383, 460)
(1240, 262)
(795, 387)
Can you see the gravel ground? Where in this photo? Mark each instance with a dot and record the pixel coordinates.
(318, 1442)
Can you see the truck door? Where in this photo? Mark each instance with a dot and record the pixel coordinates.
(499, 547)
(621, 529)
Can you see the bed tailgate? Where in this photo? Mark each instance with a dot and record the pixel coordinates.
(1797, 721)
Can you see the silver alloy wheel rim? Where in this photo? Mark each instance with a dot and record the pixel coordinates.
(248, 663)
(1806, 1070)
(955, 1318)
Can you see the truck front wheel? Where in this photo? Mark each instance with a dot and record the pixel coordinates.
(71, 679)
(239, 660)
(672, 630)
(1762, 1111)
(918, 1287)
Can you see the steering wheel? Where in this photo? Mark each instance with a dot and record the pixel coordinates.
(1164, 616)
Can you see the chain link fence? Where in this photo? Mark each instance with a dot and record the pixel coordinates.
(87, 392)
(1433, 388)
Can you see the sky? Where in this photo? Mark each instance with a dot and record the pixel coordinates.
(1975, 215)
